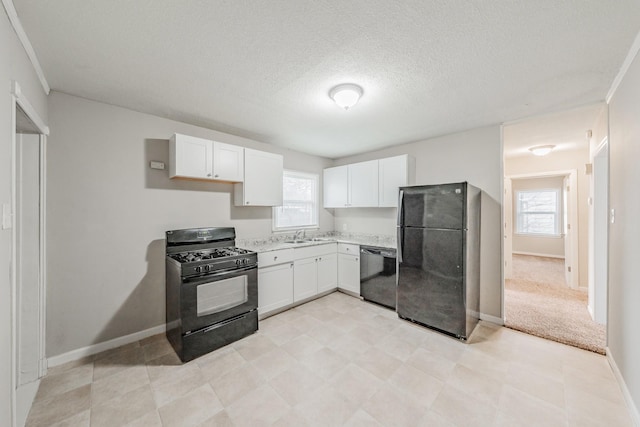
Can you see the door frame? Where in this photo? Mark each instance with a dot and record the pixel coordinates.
(18, 99)
(598, 253)
(573, 218)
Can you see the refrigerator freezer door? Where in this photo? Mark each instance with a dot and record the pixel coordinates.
(433, 206)
(430, 279)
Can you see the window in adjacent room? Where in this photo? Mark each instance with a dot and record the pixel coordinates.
(300, 202)
(538, 212)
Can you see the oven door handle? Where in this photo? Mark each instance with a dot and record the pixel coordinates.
(220, 273)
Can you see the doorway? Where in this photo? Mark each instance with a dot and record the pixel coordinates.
(599, 231)
(28, 279)
(553, 290)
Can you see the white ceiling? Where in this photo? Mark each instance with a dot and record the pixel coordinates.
(263, 69)
(566, 130)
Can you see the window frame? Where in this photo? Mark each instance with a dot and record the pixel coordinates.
(558, 214)
(316, 203)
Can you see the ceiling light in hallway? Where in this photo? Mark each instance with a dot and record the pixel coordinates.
(541, 150)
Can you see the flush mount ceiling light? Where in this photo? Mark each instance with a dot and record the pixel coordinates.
(346, 95)
(542, 150)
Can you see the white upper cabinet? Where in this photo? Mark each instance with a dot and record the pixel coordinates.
(335, 187)
(363, 184)
(191, 157)
(367, 184)
(354, 185)
(228, 162)
(393, 173)
(262, 184)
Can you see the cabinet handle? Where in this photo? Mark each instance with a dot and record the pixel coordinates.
(246, 203)
(275, 258)
(320, 259)
(215, 176)
(356, 259)
(291, 265)
(208, 174)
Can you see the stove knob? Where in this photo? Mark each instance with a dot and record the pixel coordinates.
(198, 269)
(238, 262)
(207, 267)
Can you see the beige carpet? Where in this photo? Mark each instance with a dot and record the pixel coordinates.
(538, 302)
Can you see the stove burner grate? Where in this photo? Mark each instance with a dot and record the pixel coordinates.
(194, 256)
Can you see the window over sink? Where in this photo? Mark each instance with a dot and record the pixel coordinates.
(300, 202)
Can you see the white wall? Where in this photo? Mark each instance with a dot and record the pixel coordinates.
(624, 245)
(108, 211)
(546, 246)
(562, 161)
(473, 156)
(14, 65)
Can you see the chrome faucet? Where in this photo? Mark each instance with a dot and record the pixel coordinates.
(296, 235)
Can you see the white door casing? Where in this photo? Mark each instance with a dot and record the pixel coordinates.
(598, 284)
(508, 229)
(22, 388)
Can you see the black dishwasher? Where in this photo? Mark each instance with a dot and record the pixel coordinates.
(378, 275)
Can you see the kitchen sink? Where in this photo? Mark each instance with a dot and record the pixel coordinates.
(301, 241)
(298, 241)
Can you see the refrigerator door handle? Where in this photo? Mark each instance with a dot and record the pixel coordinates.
(400, 199)
(399, 251)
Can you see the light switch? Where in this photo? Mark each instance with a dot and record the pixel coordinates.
(613, 216)
(156, 165)
(6, 216)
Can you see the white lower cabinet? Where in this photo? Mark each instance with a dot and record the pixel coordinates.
(349, 268)
(327, 272)
(288, 276)
(275, 287)
(305, 278)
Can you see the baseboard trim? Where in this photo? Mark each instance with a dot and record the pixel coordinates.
(492, 319)
(537, 254)
(102, 346)
(633, 410)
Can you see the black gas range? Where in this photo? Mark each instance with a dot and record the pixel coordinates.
(212, 290)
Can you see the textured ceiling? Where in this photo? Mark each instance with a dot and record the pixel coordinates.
(263, 69)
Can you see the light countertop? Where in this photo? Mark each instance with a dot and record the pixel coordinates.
(278, 242)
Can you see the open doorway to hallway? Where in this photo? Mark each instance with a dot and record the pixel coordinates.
(547, 230)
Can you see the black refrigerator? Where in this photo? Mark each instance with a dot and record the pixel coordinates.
(439, 257)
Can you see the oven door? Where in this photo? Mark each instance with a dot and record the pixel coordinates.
(213, 298)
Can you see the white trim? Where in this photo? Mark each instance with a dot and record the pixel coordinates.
(492, 319)
(18, 99)
(633, 410)
(28, 48)
(635, 47)
(105, 345)
(537, 254)
(42, 356)
(26, 106)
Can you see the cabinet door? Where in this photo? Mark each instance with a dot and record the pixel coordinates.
(190, 157)
(275, 287)
(335, 186)
(363, 184)
(349, 273)
(392, 174)
(228, 162)
(327, 272)
(262, 179)
(305, 278)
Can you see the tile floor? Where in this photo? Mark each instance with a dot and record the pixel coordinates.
(338, 361)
